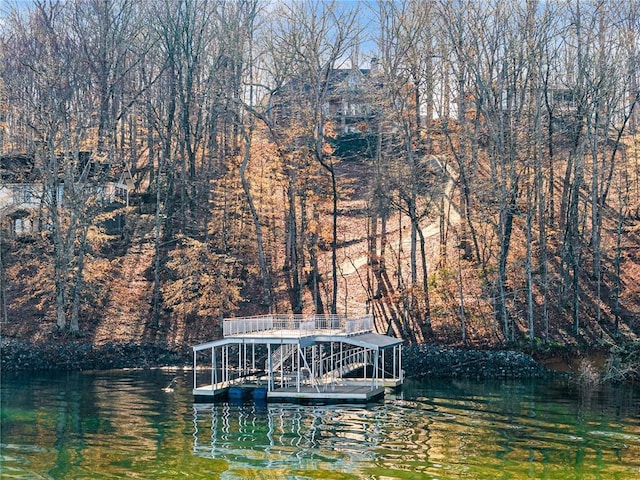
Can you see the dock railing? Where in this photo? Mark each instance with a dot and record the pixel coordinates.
(242, 325)
(359, 325)
(297, 325)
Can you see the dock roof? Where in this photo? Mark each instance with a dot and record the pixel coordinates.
(304, 330)
(373, 341)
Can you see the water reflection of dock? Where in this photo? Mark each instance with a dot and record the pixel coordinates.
(272, 435)
(298, 358)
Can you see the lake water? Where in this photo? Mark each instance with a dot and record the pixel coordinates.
(121, 424)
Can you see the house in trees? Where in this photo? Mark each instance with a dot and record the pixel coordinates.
(563, 99)
(23, 189)
(348, 101)
(563, 106)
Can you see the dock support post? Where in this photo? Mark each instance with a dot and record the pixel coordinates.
(332, 359)
(225, 363)
(364, 362)
(195, 377)
(395, 361)
(281, 367)
(374, 378)
(298, 367)
(213, 368)
(320, 363)
(270, 367)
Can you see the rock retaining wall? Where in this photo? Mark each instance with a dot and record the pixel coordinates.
(419, 361)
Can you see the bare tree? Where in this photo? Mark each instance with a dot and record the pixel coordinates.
(405, 44)
(58, 115)
(313, 38)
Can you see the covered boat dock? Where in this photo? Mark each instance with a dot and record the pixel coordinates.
(318, 358)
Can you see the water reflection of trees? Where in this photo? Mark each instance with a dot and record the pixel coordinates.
(105, 422)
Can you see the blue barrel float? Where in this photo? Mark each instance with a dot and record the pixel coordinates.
(236, 393)
(260, 394)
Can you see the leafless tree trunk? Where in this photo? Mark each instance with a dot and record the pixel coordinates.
(262, 260)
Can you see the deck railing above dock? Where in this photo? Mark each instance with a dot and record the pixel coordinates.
(297, 325)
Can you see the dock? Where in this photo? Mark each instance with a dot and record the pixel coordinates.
(298, 358)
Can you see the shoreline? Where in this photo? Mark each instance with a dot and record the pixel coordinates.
(436, 361)
(419, 361)
(21, 356)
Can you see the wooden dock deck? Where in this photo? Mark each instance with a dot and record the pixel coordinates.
(301, 358)
(339, 394)
(219, 389)
(350, 393)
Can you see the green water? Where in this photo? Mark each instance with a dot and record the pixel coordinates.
(122, 424)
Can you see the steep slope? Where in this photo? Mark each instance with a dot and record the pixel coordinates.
(128, 308)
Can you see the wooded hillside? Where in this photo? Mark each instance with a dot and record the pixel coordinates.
(468, 172)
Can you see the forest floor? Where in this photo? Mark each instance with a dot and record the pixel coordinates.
(455, 282)
(126, 316)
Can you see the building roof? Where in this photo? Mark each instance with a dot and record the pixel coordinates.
(17, 168)
(21, 168)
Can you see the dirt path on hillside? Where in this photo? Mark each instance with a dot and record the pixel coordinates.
(127, 310)
(352, 266)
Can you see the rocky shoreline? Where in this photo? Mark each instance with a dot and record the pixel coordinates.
(76, 355)
(434, 361)
(419, 361)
